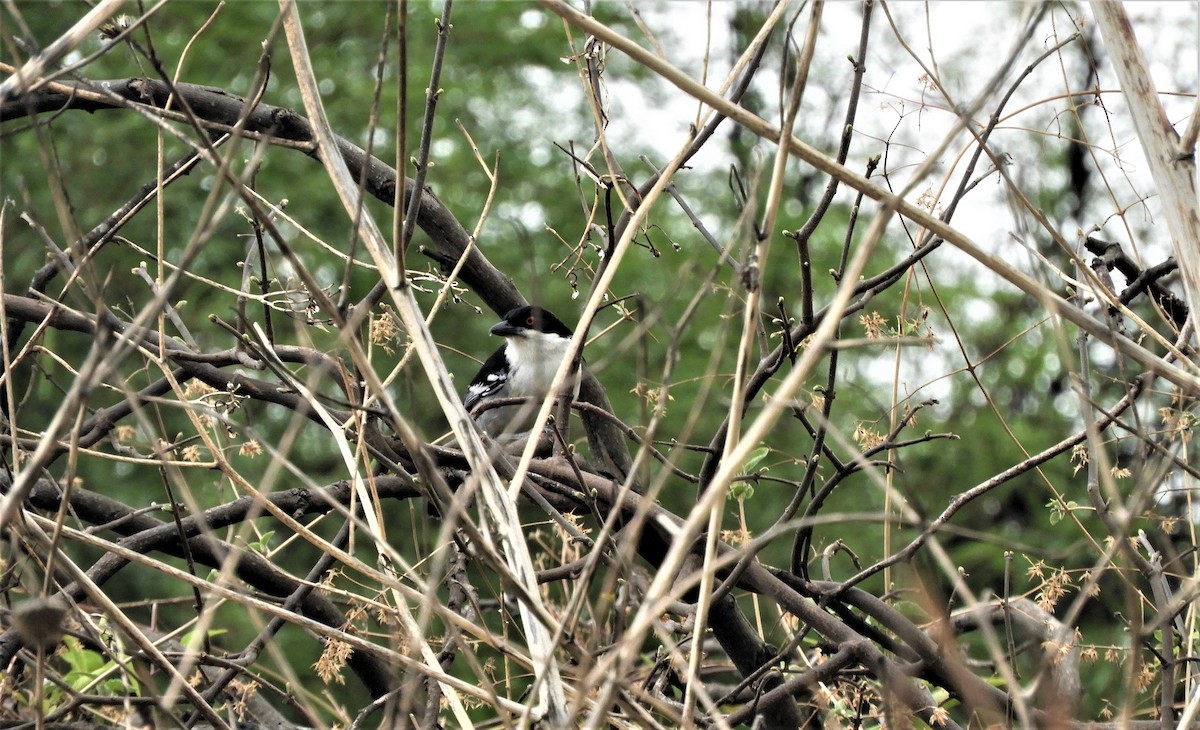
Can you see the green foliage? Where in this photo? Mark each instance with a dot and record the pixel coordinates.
(941, 380)
(87, 672)
(90, 671)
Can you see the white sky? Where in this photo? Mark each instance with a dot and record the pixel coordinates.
(968, 40)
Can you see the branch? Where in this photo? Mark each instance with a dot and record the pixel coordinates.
(1179, 375)
(1174, 173)
(221, 111)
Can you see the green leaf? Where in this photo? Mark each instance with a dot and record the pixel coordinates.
(752, 461)
(742, 490)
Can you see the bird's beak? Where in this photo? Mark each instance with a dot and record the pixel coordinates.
(504, 329)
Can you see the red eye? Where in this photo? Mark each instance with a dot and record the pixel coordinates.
(530, 321)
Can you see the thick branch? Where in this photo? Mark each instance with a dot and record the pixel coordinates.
(221, 111)
(1174, 174)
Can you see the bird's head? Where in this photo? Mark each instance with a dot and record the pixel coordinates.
(530, 321)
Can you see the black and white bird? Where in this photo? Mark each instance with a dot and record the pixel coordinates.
(523, 367)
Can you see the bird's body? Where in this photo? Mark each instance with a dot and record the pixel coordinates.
(524, 367)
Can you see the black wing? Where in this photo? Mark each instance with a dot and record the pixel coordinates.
(492, 376)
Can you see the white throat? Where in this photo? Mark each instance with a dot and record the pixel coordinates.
(533, 360)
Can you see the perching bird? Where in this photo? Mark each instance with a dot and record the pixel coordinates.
(524, 367)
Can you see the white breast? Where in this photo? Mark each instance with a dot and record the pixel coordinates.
(533, 361)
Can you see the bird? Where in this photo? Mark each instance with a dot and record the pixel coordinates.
(523, 367)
